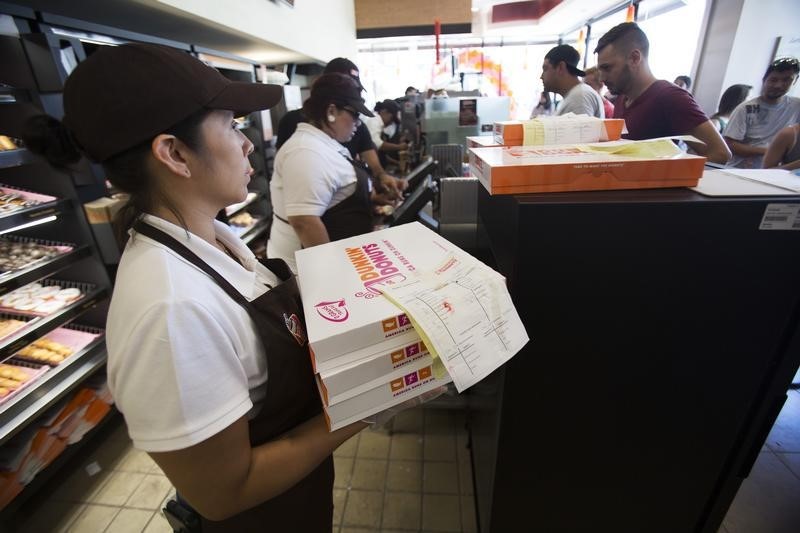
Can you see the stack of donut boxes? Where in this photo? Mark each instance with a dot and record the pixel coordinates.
(366, 354)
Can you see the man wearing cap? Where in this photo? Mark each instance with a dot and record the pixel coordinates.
(560, 75)
(755, 123)
(652, 108)
(360, 145)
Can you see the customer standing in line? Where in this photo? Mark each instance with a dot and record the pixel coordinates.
(560, 75)
(207, 354)
(652, 108)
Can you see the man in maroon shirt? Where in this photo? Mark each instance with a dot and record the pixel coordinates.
(652, 108)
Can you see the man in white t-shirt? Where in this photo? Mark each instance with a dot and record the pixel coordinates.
(755, 122)
(560, 75)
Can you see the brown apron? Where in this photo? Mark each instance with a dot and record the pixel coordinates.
(291, 399)
(353, 215)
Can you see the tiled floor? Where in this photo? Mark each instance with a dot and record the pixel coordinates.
(412, 476)
(769, 499)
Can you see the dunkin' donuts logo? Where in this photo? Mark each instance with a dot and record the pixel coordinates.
(295, 327)
(375, 268)
(411, 381)
(335, 311)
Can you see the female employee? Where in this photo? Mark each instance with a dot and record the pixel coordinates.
(319, 193)
(385, 130)
(206, 348)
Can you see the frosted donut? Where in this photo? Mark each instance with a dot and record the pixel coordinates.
(67, 294)
(49, 306)
(47, 292)
(27, 304)
(11, 298)
(31, 287)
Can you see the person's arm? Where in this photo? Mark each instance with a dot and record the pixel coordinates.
(778, 147)
(745, 150)
(714, 147)
(386, 146)
(793, 165)
(386, 181)
(310, 230)
(224, 475)
(375, 128)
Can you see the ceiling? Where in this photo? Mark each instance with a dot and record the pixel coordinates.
(151, 17)
(561, 19)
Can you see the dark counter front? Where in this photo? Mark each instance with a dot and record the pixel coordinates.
(664, 334)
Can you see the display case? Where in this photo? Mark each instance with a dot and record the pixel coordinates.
(54, 287)
(54, 284)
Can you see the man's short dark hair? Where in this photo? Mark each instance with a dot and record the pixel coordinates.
(783, 64)
(686, 81)
(626, 36)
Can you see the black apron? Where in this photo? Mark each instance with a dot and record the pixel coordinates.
(291, 398)
(353, 215)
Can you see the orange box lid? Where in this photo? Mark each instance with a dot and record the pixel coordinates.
(511, 132)
(569, 168)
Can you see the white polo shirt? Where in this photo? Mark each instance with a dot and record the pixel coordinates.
(582, 100)
(375, 127)
(312, 174)
(183, 356)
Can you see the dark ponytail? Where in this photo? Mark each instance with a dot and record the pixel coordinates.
(48, 137)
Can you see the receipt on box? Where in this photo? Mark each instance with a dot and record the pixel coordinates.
(564, 129)
(465, 316)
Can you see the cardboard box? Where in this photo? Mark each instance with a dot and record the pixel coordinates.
(347, 317)
(533, 169)
(350, 380)
(482, 141)
(511, 132)
(375, 400)
(508, 133)
(330, 364)
(104, 209)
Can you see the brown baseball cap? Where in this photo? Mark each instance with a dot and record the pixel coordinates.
(121, 96)
(339, 89)
(342, 65)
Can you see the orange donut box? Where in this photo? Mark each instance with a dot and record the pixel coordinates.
(510, 132)
(559, 168)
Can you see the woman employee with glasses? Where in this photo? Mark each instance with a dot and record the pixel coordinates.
(319, 193)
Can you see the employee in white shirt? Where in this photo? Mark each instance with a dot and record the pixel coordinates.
(319, 193)
(385, 130)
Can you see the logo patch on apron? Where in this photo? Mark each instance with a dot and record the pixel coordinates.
(295, 327)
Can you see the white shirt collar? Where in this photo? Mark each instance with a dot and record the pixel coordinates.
(243, 279)
(324, 137)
